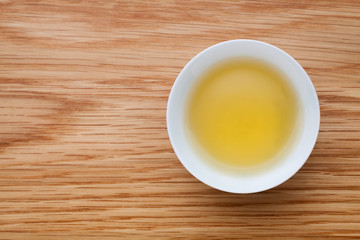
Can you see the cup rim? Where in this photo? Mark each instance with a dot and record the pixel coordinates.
(312, 135)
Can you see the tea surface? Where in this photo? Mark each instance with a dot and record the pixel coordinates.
(242, 113)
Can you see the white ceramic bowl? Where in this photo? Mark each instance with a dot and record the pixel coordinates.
(243, 183)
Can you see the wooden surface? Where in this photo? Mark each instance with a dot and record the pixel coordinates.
(84, 151)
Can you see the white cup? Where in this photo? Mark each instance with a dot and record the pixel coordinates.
(243, 183)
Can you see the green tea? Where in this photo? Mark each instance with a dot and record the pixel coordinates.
(242, 112)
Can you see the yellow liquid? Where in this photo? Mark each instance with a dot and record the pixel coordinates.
(242, 113)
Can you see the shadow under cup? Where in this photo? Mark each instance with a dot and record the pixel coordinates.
(271, 174)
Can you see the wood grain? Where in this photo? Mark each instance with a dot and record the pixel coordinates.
(84, 151)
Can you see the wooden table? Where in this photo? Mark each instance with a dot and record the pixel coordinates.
(84, 147)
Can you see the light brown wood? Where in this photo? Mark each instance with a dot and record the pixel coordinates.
(83, 140)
